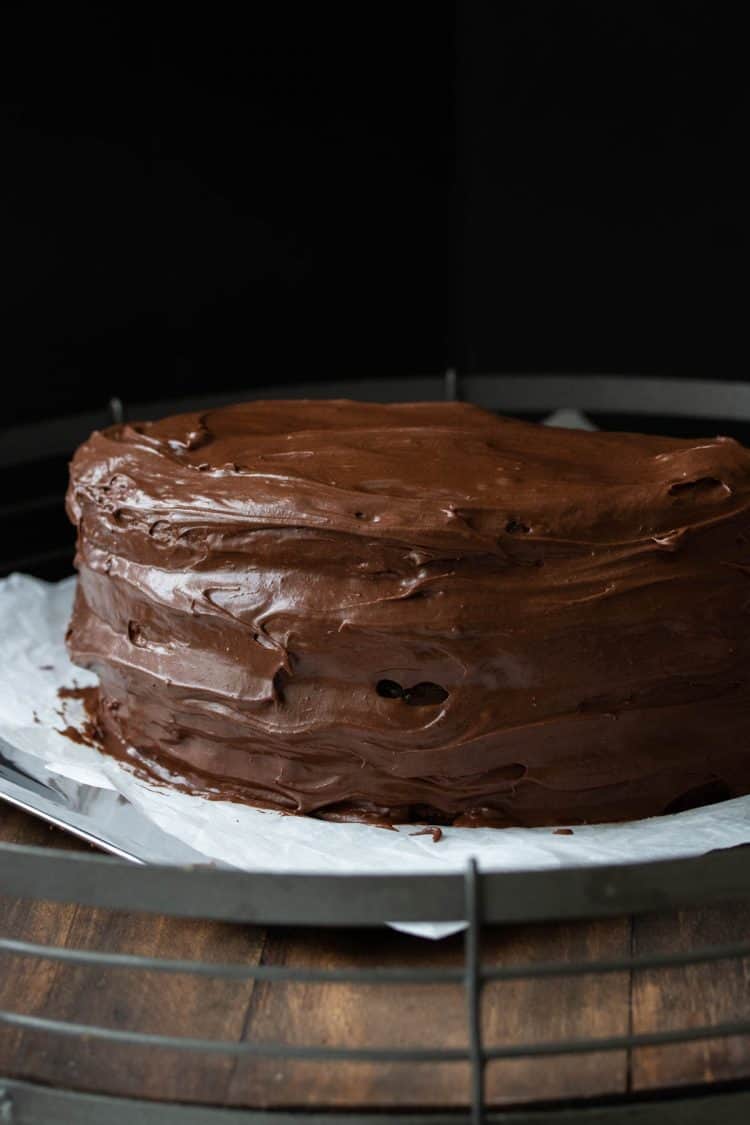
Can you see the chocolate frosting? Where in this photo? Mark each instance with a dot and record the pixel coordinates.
(417, 612)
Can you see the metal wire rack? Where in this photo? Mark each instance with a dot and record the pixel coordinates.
(479, 898)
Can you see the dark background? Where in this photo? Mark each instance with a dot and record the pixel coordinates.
(208, 202)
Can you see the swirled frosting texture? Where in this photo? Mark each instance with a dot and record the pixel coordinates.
(418, 611)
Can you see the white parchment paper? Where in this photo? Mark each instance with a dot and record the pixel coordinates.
(34, 665)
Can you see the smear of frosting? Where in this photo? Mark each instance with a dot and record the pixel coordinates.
(417, 612)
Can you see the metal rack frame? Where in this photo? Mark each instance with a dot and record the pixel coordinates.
(475, 896)
(335, 900)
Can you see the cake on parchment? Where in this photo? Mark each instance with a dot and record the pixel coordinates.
(417, 612)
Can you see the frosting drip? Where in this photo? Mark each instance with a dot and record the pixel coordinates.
(417, 611)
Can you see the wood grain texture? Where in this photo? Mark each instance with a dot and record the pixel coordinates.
(691, 996)
(433, 1015)
(121, 998)
(352, 1015)
(562, 1008)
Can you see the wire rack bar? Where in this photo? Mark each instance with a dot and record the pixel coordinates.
(326, 1053)
(95, 959)
(31, 1104)
(620, 1042)
(366, 900)
(473, 986)
(374, 1054)
(386, 975)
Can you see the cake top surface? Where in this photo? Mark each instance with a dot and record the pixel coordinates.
(432, 473)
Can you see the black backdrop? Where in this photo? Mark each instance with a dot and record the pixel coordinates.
(604, 187)
(207, 202)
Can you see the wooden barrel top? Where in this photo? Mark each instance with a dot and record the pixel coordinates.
(356, 1015)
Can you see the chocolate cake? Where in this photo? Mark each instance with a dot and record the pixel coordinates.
(417, 612)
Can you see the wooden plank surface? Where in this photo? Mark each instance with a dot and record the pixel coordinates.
(691, 996)
(435, 1016)
(529, 1011)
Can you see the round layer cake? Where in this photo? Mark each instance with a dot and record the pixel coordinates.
(417, 612)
